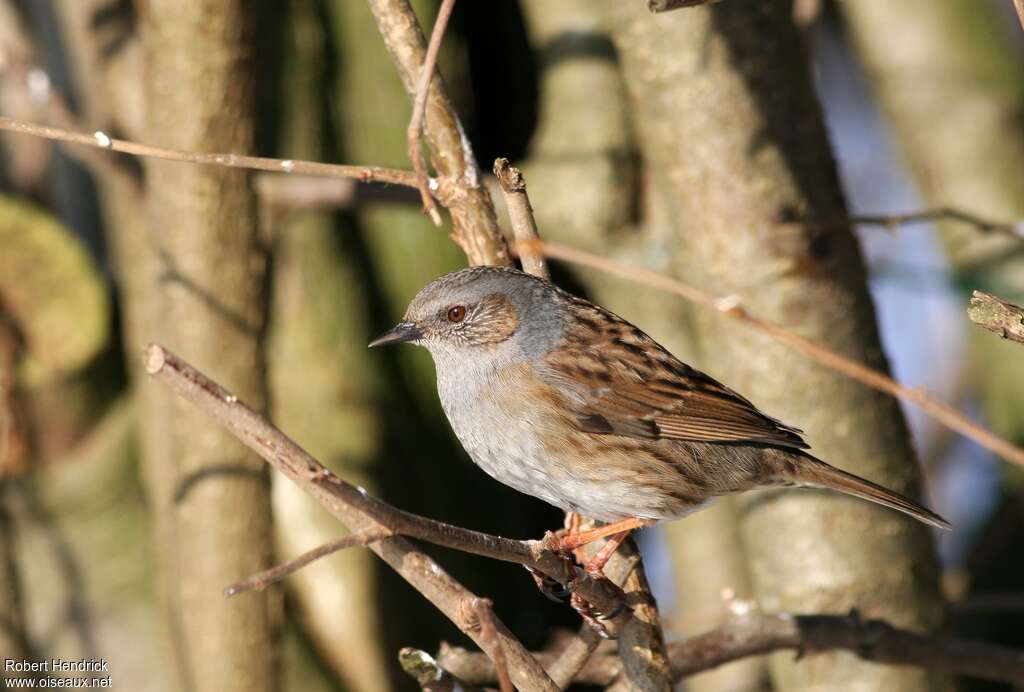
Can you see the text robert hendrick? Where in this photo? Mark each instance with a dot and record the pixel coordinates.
(56, 665)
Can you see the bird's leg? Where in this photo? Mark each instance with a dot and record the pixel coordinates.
(572, 522)
(595, 567)
(574, 541)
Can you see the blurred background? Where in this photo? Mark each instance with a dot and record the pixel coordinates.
(677, 142)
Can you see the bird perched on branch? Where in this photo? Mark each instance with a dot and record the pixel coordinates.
(567, 402)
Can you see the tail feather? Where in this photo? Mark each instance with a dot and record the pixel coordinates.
(812, 472)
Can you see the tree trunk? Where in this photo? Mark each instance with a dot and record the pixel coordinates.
(732, 131)
(102, 81)
(209, 298)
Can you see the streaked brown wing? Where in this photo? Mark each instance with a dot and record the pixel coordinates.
(619, 381)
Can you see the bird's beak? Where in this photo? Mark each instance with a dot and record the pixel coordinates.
(400, 334)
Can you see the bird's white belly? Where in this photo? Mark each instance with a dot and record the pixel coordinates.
(510, 450)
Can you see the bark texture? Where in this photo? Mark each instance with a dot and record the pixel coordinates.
(731, 129)
(951, 88)
(323, 383)
(208, 295)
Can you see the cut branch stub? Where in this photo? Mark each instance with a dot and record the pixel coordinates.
(998, 316)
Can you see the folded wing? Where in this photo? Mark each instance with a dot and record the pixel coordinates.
(619, 381)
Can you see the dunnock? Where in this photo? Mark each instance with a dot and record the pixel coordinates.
(564, 401)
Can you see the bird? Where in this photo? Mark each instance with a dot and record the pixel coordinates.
(565, 401)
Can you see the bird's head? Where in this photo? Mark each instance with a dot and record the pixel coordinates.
(480, 309)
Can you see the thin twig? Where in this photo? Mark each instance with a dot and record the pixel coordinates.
(262, 580)
(941, 412)
(484, 611)
(996, 315)
(520, 214)
(1013, 229)
(419, 109)
(101, 140)
(1019, 6)
(756, 634)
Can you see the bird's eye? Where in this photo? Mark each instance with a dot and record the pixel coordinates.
(456, 313)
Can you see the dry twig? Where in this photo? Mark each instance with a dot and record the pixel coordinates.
(996, 315)
(260, 581)
(103, 141)
(941, 412)
(419, 109)
(892, 221)
(520, 214)
(484, 611)
(1018, 5)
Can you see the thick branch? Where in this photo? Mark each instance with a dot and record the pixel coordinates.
(752, 635)
(361, 512)
(995, 315)
(475, 227)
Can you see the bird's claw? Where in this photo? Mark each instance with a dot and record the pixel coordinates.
(592, 616)
(550, 588)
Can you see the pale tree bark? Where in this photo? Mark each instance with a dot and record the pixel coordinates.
(730, 128)
(209, 299)
(952, 90)
(583, 182)
(323, 383)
